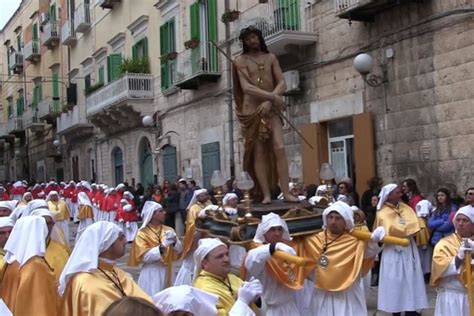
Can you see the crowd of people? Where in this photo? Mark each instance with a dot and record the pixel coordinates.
(78, 275)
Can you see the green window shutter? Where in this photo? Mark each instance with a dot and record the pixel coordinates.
(55, 85)
(19, 106)
(145, 47)
(162, 39)
(101, 75)
(212, 34)
(164, 75)
(10, 110)
(194, 15)
(52, 12)
(35, 31)
(113, 66)
(135, 51)
(34, 100)
(40, 92)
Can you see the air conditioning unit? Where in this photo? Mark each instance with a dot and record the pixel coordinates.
(44, 17)
(292, 79)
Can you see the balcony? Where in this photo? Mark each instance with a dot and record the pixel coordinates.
(53, 151)
(32, 51)
(284, 23)
(16, 62)
(363, 10)
(73, 126)
(108, 4)
(68, 35)
(82, 18)
(49, 110)
(195, 66)
(120, 104)
(15, 125)
(31, 121)
(51, 34)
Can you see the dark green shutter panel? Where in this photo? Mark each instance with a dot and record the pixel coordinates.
(113, 64)
(164, 75)
(52, 13)
(145, 47)
(35, 31)
(162, 39)
(40, 92)
(212, 34)
(34, 102)
(55, 85)
(194, 14)
(101, 74)
(135, 51)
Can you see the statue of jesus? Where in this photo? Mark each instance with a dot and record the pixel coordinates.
(258, 89)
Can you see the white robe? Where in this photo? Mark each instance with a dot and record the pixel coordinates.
(241, 309)
(349, 302)
(130, 230)
(401, 281)
(452, 296)
(186, 272)
(278, 299)
(83, 224)
(64, 227)
(152, 277)
(426, 254)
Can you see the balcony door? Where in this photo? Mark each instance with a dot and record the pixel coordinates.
(170, 170)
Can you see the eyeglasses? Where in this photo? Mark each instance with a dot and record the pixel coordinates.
(470, 193)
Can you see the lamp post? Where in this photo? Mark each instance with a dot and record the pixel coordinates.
(364, 64)
(217, 181)
(327, 176)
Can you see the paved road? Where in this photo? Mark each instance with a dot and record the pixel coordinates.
(371, 298)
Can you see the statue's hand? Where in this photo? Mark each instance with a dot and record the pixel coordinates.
(264, 108)
(278, 101)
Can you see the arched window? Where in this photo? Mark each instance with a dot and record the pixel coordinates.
(117, 165)
(145, 160)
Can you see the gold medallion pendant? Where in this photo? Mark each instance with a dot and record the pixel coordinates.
(323, 261)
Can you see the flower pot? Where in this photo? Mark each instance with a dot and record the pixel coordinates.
(191, 44)
(234, 15)
(172, 55)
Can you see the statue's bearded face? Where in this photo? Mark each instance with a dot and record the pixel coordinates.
(252, 41)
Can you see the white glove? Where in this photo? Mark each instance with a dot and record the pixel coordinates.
(462, 252)
(378, 234)
(284, 247)
(169, 234)
(170, 238)
(249, 291)
(230, 210)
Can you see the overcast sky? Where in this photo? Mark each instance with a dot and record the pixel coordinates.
(7, 8)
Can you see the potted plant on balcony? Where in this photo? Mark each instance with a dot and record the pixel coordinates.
(93, 88)
(137, 66)
(191, 44)
(172, 55)
(230, 16)
(164, 58)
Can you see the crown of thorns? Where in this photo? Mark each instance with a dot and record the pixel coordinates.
(249, 30)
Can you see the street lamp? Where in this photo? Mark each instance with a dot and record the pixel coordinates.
(364, 64)
(148, 121)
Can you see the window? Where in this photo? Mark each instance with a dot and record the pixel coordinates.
(140, 49)
(20, 105)
(203, 23)
(37, 94)
(167, 45)
(10, 107)
(87, 82)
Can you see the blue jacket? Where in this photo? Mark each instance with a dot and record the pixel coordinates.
(440, 224)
